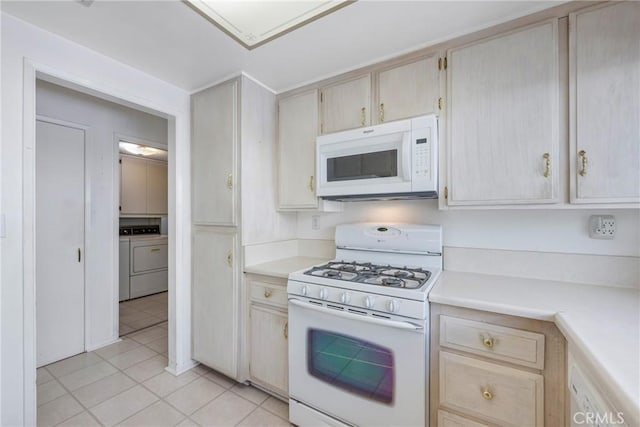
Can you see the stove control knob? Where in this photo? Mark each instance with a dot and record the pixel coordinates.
(305, 290)
(368, 302)
(345, 298)
(393, 305)
(324, 293)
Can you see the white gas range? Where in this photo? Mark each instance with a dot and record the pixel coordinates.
(358, 328)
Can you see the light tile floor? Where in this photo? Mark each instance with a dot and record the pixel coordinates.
(143, 312)
(126, 384)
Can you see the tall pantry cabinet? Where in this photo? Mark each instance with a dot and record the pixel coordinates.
(232, 153)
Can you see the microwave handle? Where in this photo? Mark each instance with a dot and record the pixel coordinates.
(357, 317)
(406, 156)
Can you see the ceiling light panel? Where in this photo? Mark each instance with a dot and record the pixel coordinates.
(253, 23)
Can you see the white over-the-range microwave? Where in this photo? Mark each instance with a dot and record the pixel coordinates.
(396, 160)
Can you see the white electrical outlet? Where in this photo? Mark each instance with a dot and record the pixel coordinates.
(315, 222)
(602, 226)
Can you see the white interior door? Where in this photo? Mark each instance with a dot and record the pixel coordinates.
(59, 242)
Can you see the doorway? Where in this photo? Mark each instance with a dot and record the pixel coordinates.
(60, 233)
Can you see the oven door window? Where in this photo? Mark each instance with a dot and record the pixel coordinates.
(351, 364)
(379, 164)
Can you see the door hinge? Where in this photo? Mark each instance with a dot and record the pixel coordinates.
(446, 193)
(445, 62)
(120, 208)
(439, 63)
(439, 103)
(321, 97)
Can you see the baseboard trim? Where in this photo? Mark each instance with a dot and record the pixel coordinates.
(102, 344)
(178, 370)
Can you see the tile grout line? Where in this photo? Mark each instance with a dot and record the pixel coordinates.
(85, 409)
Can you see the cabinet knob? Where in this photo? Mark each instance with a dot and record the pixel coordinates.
(381, 112)
(363, 116)
(583, 156)
(285, 330)
(487, 394)
(267, 293)
(488, 342)
(547, 165)
(230, 181)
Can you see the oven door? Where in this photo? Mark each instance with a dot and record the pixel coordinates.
(364, 164)
(359, 369)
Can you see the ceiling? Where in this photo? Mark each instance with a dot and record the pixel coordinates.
(170, 41)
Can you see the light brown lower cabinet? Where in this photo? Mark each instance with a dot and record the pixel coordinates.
(269, 333)
(489, 369)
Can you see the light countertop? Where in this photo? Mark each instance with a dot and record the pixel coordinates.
(602, 323)
(282, 267)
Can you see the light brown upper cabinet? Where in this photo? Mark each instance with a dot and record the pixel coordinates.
(143, 186)
(297, 131)
(407, 90)
(214, 147)
(346, 104)
(604, 80)
(503, 117)
(400, 90)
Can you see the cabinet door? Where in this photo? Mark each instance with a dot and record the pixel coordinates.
(133, 186)
(605, 103)
(408, 90)
(297, 131)
(214, 299)
(157, 188)
(214, 154)
(503, 118)
(269, 364)
(346, 105)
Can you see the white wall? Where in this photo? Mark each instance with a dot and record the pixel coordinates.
(260, 221)
(104, 119)
(26, 49)
(544, 230)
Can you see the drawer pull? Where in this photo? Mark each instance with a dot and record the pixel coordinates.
(488, 342)
(267, 293)
(285, 330)
(487, 394)
(155, 250)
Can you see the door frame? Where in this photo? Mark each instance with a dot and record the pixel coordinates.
(179, 339)
(86, 210)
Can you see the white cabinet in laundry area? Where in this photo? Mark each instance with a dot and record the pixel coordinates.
(143, 186)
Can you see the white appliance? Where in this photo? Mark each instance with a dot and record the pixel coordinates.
(392, 160)
(589, 406)
(144, 257)
(358, 328)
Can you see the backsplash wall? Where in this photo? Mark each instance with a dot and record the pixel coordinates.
(540, 230)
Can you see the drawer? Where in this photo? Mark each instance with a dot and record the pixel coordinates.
(491, 392)
(148, 258)
(497, 342)
(268, 293)
(447, 419)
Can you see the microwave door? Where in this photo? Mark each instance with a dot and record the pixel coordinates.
(366, 167)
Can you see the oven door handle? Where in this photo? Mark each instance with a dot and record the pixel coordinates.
(358, 317)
